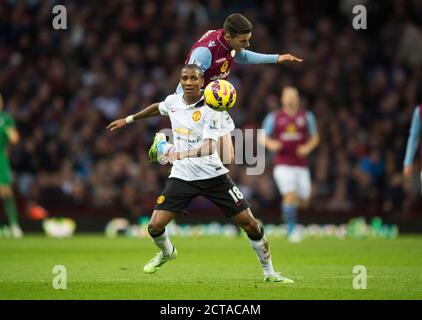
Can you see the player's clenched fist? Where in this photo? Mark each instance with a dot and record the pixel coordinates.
(117, 124)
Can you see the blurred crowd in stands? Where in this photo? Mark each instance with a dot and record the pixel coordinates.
(64, 86)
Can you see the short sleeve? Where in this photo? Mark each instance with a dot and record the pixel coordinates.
(202, 57)
(268, 124)
(213, 125)
(163, 106)
(312, 126)
(227, 124)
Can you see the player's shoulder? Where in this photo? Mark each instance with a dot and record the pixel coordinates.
(309, 113)
(210, 39)
(276, 113)
(209, 33)
(173, 98)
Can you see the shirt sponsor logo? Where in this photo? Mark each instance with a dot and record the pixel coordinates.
(184, 131)
(225, 66)
(291, 136)
(220, 60)
(187, 139)
(220, 76)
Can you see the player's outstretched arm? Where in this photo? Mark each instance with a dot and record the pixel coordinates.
(150, 111)
(250, 57)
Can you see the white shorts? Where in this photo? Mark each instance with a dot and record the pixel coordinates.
(293, 179)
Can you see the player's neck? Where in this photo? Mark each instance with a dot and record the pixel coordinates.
(191, 99)
(290, 112)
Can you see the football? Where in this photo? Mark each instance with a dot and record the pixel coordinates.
(220, 95)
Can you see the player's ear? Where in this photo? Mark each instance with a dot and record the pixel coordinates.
(202, 82)
(227, 36)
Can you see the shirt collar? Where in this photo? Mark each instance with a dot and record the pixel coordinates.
(195, 105)
(223, 42)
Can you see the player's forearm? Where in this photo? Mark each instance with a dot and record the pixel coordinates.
(150, 111)
(207, 148)
(313, 142)
(226, 149)
(250, 57)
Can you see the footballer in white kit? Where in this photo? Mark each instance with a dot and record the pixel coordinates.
(192, 124)
(197, 170)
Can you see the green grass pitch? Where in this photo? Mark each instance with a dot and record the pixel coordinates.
(208, 268)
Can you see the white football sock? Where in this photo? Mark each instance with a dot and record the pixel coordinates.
(262, 250)
(163, 242)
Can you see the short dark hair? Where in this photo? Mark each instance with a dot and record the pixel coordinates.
(194, 67)
(237, 24)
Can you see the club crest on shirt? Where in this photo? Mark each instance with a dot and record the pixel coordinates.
(196, 115)
(160, 199)
(291, 128)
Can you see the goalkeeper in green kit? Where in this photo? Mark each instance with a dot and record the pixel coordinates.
(8, 134)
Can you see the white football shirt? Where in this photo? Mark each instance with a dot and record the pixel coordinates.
(191, 125)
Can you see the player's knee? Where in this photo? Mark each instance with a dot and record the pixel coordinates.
(155, 229)
(290, 199)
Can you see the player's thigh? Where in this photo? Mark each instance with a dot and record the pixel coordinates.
(176, 196)
(305, 184)
(224, 193)
(285, 179)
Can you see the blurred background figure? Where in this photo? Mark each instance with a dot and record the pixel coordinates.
(413, 142)
(292, 134)
(8, 134)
